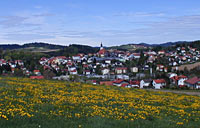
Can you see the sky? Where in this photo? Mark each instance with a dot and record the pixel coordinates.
(90, 22)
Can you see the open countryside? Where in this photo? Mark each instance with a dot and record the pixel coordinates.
(50, 103)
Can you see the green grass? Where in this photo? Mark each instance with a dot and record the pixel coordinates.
(167, 104)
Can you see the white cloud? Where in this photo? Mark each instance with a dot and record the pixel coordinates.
(140, 14)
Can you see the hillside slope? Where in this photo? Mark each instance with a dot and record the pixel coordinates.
(49, 104)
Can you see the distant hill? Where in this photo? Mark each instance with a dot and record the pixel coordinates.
(51, 49)
(33, 45)
(75, 48)
(134, 46)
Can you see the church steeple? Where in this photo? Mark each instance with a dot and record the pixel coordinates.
(101, 46)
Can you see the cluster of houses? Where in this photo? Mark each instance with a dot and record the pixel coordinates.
(183, 55)
(111, 65)
(104, 63)
(19, 64)
(175, 80)
(13, 64)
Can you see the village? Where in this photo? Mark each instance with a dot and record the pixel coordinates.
(119, 68)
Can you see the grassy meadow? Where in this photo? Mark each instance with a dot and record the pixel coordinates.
(26, 103)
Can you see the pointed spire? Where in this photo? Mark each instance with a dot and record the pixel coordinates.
(101, 46)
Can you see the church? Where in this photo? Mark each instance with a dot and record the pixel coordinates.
(102, 52)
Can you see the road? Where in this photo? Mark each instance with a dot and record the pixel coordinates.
(195, 93)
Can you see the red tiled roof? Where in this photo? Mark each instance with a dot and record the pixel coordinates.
(124, 85)
(36, 71)
(102, 51)
(136, 82)
(121, 68)
(36, 77)
(106, 82)
(117, 81)
(94, 81)
(193, 80)
(66, 70)
(85, 65)
(73, 70)
(43, 58)
(61, 57)
(179, 77)
(136, 54)
(158, 81)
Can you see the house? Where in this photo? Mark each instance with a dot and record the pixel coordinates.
(108, 61)
(134, 84)
(121, 70)
(179, 80)
(43, 60)
(159, 83)
(102, 52)
(46, 67)
(119, 82)
(122, 76)
(106, 82)
(160, 67)
(27, 72)
(134, 69)
(172, 75)
(105, 71)
(193, 83)
(2, 62)
(183, 50)
(73, 72)
(87, 72)
(94, 82)
(145, 83)
(19, 62)
(136, 55)
(36, 77)
(76, 58)
(37, 72)
(126, 85)
(161, 52)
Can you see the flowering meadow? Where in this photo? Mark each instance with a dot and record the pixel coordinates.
(26, 103)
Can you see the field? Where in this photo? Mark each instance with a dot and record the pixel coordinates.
(26, 103)
(188, 66)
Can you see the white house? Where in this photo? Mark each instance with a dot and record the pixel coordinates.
(105, 71)
(159, 83)
(73, 72)
(121, 70)
(179, 80)
(108, 61)
(145, 83)
(172, 75)
(134, 69)
(87, 72)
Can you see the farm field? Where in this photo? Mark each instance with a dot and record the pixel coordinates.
(26, 103)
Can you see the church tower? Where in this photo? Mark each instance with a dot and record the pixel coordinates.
(101, 46)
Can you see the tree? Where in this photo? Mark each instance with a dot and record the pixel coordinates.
(98, 70)
(48, 74)
(18, 72)
(142, 59)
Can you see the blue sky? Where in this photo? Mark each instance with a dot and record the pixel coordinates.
(89, 22)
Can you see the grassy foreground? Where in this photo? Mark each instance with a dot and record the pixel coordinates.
(26, 103)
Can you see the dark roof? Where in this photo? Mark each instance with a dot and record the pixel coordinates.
(147, 80)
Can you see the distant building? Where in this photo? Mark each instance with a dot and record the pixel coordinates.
(193, 83)
(102, 52)
(159, 83)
